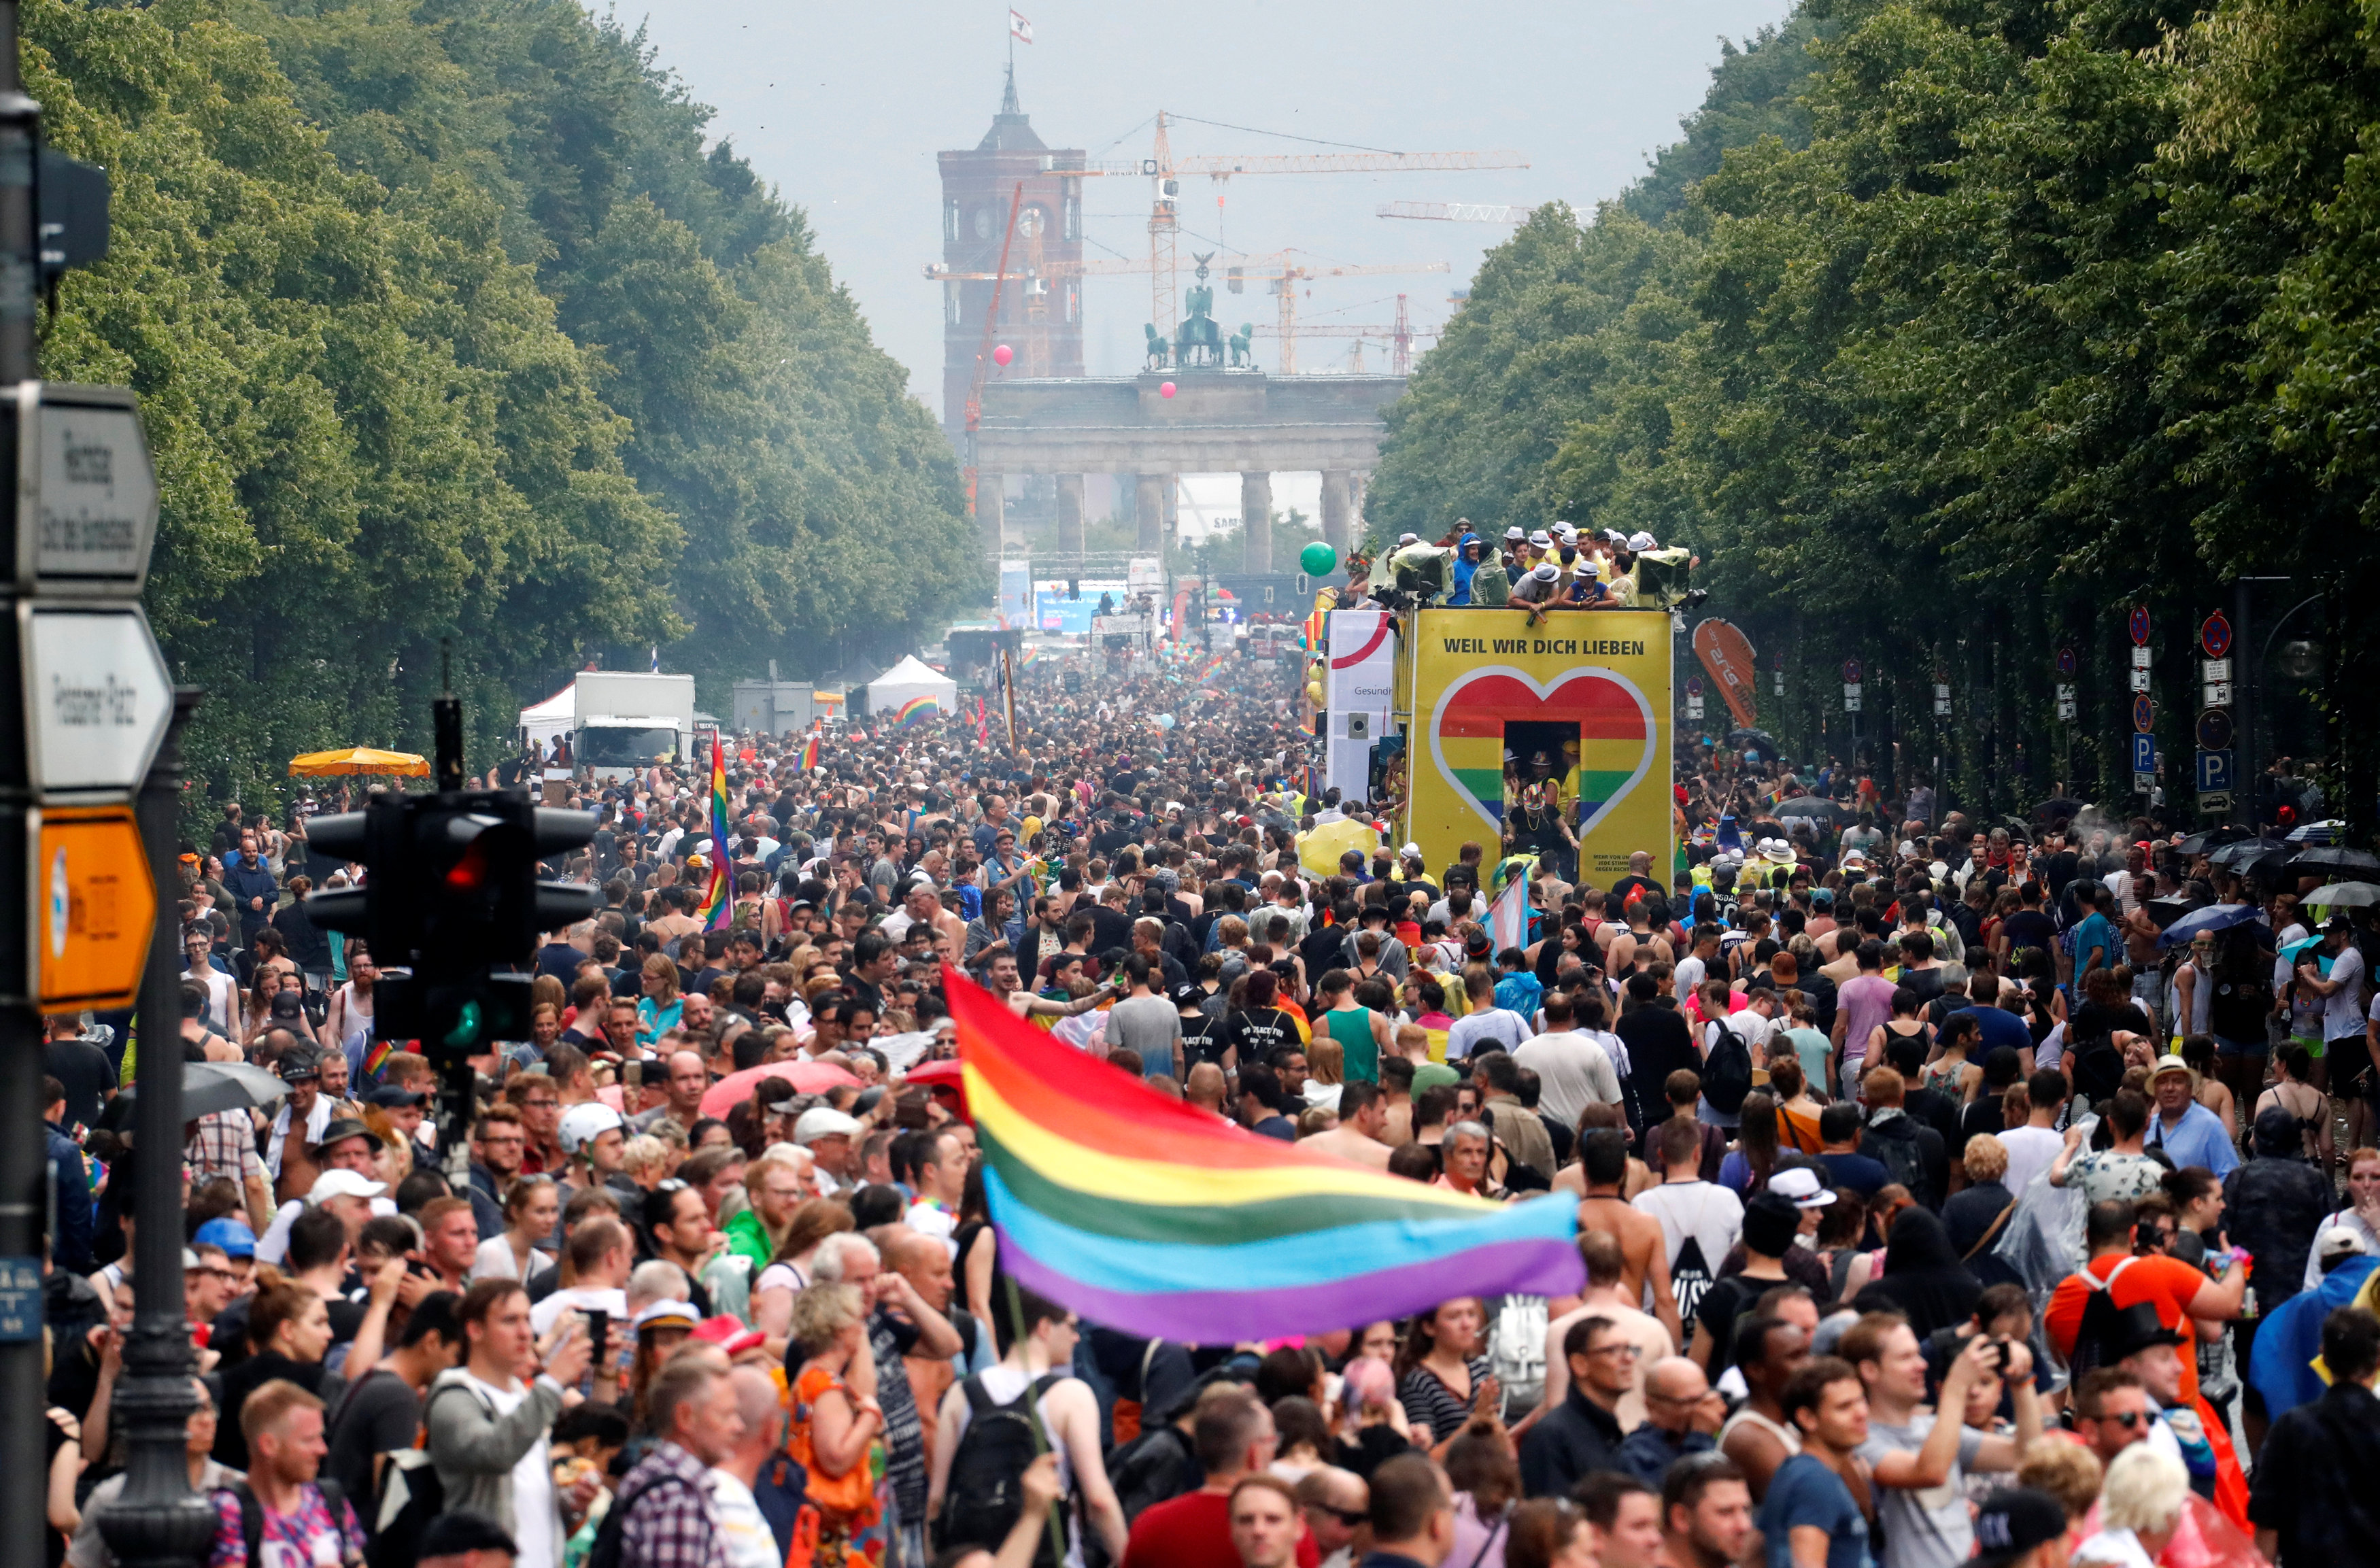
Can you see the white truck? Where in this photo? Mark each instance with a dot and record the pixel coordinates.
(626, 720)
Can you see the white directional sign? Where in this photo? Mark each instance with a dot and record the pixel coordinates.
(86, 491)
(97, 697)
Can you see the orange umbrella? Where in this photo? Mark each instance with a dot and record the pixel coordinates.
(356, 759)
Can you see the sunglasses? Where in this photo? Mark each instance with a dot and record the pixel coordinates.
(1351, 1517)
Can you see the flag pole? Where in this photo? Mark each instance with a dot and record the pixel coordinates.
(1033, 1408)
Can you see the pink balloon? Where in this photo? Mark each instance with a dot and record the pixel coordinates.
(1002, 355)
(1165, 391)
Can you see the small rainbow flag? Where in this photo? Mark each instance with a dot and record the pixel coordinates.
(916, 710)
(719, 898)
(810, 752)
(1149, 1216)
(377, 1057)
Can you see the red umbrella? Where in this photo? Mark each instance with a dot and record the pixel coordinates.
(807, 1078)
(942, 1079)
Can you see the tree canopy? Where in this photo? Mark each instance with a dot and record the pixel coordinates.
(448, 328)
(2006, 316)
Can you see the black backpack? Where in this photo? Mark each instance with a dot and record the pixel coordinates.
(1155, 1467)
(251, 1513)
(1904, 1160)
(1727, 1072)
(985, 1493)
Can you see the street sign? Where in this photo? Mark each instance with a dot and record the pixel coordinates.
(2065, 692)
(2215, 802)
(2219, 694)
(2144, 754)
(2139, 658)
(98, 908)
(2139, 626)
(86, 491)
(2214, 636)
(1850, 699)
(2213, 730)
(2143, 783)
(2066, 660)
(2143, 714)
(2215, 669)
(1941, 700)
(1694, 686)
(1781, 683)
(2214, 772)
(97, 696)
(2066, 708)
(1851, 672)
(2139, 679)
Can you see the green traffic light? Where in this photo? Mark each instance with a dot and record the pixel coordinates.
(466, 1031)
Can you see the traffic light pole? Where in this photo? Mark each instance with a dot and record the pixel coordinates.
(23, 1165)
(159, 1521)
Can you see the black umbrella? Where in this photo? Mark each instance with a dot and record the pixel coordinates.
(2056, 806)
(2334, 857)
(2213, 838)
(2241, 853)
(1815, 805)
(224, 1086)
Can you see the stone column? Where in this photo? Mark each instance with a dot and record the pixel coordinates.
(1256, 522)
(1070, 514)
(1338, 500)
(990, 512)
(1148, 512)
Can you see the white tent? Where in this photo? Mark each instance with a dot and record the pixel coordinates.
(911, 678)
(551, 719)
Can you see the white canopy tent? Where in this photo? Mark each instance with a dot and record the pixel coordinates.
(548, 720)
(911, 678)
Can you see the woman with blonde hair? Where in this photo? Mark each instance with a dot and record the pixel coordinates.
(836, 1431)
(662, 1006)
(392, 1130)
(2140, 1509)
(1326, 1069)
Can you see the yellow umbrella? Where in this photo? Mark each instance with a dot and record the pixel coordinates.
(357, 760)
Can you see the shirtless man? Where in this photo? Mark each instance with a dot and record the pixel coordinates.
(1025, 1005)
(1645, 1254)
(1605, 1297)
(1363, 1122)
(1758, 1437)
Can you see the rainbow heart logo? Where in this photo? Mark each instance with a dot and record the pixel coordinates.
(1616, 734)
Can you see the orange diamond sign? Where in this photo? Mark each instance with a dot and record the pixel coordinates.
(97, 904)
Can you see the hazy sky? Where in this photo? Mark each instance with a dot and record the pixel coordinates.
(844, 107)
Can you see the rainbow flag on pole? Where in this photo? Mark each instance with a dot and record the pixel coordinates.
(916, 710)
(810, 752)
(719, 898)
(1150, 1216)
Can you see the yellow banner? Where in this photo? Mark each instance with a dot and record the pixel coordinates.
(1588, 691)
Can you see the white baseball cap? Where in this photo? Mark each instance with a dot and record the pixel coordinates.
(2336, 1242)
(823, 1122)
(1643, 540)
(582, 1125)
(344, 1184)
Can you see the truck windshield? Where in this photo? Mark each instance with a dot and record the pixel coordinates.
(625, 746)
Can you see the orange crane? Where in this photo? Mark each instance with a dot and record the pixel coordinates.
(1282, 267)
(1399, 339)
(983, 350)
(1164, 172)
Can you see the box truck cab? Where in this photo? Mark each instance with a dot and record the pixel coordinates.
(626, 721)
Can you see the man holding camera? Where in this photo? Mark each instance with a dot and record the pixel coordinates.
(1920, 1459)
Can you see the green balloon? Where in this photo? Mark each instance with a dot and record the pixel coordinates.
(1317, 559)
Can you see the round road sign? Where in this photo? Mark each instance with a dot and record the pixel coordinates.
(1851, 672)
(2215, 730)
(2214, 636)
(2066, 660)
(2143, 714)
(2139, 626)
(1694, 686)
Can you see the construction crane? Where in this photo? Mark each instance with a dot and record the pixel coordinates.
(1165, 173)
(1458, 212)
(983, 352)
(1284, 269)
(1399, 339)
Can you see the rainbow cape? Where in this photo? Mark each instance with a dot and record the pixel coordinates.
(1150, 1216)
(719, 898)
(916, 710)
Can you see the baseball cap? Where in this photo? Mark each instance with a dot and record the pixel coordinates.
(233, 1236)
(1803, 1187)
(2011, 1522)
(389, 1097)
(189, 1261)
(301, 1064)
(1188, 995)
(728, 1334)
(823, 1122)
(1641, 540)
(344, 1184)
(2336, 1242)
(582, 1125)
(669, 1315)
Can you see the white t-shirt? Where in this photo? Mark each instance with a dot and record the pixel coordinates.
(2031, 1150)
(2344, 1014)
(749, 1541)
(1710, 1213)
(1572, 1071)
(1495, 1025)
(533, 1506)
(1688, 975)
(933, 1219)
(578, 1298)
(273, 1244)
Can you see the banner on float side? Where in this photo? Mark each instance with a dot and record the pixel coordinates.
(1602, 676)
(1363, 661)
(1728, 656)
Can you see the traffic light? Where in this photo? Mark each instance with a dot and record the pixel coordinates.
(451, 891)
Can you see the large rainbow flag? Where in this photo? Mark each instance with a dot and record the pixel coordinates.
(916, 710)
(719, 898)
(1147, 1215)
(810, 752)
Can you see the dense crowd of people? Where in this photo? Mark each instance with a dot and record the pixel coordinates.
(1933, 1206)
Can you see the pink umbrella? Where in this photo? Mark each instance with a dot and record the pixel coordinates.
(807, 1078)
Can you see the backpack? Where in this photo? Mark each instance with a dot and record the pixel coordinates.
(985, 1493)
(1904, 1160)
(2100, 1314)
(1516, 1351)
(1690, 1277)
(610, 1548)
(410, 1496)
(1727, 1071)
(251, 1513)
(1155, 1467)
